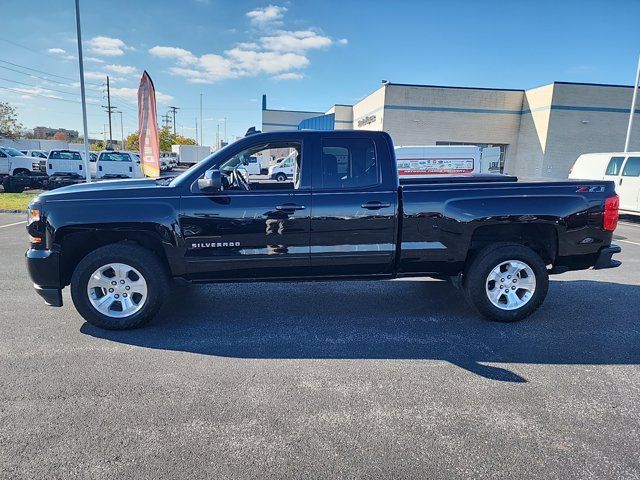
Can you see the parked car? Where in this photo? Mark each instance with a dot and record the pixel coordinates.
(67, 167)
(118, 164)
(621, 168)
(118, 244)
(34, 153)
(18, 171)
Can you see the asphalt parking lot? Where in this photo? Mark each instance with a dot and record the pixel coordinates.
(360, 379)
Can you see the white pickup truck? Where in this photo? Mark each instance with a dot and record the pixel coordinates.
(17, 171)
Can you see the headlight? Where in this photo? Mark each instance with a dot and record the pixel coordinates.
(33, 215)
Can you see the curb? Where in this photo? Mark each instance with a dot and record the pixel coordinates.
(13, 211)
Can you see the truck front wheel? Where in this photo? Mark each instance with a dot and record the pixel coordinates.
(119, 286)
(506, 282)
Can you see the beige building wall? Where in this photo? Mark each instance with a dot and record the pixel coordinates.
(528, 158)
(587, 119)
(343, 116)
(423, 115)
(368, 113)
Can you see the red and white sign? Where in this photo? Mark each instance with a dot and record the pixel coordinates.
(148, 127)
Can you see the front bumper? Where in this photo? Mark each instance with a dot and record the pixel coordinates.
(604, 259)
(44, 269)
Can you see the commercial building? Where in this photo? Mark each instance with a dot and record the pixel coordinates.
(540, 131)
(48, 133)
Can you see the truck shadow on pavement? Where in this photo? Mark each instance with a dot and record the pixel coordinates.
(581, 323)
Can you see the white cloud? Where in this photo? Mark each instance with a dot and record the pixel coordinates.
(108, 46)
(180, 55)
(343, 41)
(295, 41)
(289, 76)
(60, 52)
(28, 92)
(94, 76)
(122, 69)
(130, 95)
(93, 59)
(275, 52)
(269, 15)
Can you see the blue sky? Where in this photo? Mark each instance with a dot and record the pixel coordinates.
(304, 55)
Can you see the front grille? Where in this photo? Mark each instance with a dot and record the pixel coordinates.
(43, 165)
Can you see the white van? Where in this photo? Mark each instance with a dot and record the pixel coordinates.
(622, 168)
(425, 161)
(68, 163)
(283, 170)
(116, 164)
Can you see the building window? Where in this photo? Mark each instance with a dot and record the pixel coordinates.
(503, 149)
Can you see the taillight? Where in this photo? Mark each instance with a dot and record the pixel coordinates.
(610, 214)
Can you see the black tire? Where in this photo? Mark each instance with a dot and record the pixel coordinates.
(143, 260)
(281, 177)
(475, 281)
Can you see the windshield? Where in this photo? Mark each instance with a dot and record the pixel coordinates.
(12, 152)
(114, 157)
(58, 155)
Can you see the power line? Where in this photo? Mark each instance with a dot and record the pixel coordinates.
(39, 86)
(43, 96)
(174, 110)
(94, 86)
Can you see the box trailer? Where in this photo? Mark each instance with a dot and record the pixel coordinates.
(190, 154)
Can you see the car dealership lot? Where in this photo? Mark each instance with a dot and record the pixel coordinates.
(357, 379)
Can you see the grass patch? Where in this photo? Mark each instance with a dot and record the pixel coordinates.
(15, 201)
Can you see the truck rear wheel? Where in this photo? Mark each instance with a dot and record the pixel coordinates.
(281, 177)
(119, 286)
(506, 282)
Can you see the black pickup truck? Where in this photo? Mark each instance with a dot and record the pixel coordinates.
(344, 215)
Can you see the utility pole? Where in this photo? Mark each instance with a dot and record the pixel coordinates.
(225, 129)
(121, 129)
(174, 110)
(201, 124)
(633, 108)
(109, 110)
(165, 120)
(82, 95)
(218, 137)
(197, 139)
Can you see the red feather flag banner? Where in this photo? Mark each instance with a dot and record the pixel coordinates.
(148, 127)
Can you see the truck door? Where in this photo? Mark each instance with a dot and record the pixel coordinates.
(628, 187)
(4, 162)
(257, 233)
(353, 213)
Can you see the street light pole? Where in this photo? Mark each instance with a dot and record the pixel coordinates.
(82, 94)
(633, 108)
(201, 124)
(121, 129)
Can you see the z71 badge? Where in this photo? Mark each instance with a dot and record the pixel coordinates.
(207, 243)
(590, 189)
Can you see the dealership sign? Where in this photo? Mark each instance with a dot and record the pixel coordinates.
(364, 121)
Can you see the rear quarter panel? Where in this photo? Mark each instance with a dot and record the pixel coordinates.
(439, 221)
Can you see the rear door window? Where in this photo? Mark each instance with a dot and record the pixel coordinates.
(350, 163)
(632, 167)
(615, 164)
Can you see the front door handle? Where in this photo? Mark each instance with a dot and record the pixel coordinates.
(375, 205)
(620, 182)
(290, 207)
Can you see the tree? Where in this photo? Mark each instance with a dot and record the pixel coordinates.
(61, 136)
(9, 125)
(166, 139)
(96, 146)
(180, 140)
(131, 142)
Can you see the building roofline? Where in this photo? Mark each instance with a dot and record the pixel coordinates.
(295, 111)
(594, 84)
(453, 87)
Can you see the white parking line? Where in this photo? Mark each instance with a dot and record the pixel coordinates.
(626, 224)
(12, 224)
(627, 241)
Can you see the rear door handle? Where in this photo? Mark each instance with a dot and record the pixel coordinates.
(375, 205)
(290, 207)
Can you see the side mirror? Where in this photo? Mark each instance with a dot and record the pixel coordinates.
(211, 182)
